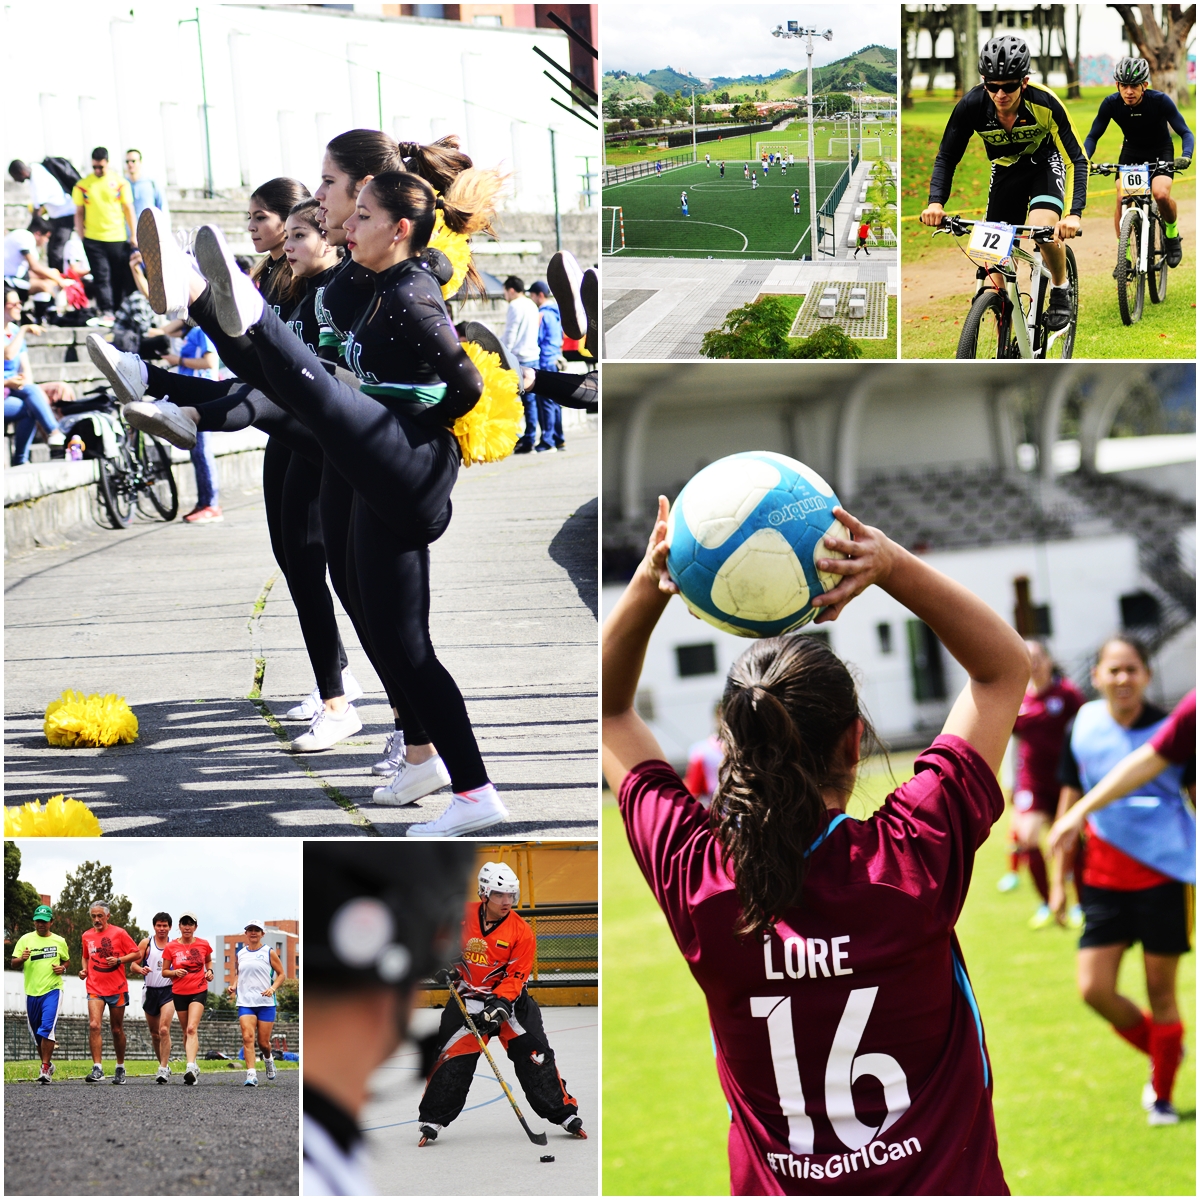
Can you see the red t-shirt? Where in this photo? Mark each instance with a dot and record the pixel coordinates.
(848, 1043)
(103, 980)
(1040, 729)
(190, 956)
(864, 230)
(1176, 740)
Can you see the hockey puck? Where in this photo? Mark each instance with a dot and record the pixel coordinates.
(547, 1158)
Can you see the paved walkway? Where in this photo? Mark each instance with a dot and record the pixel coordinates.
(178, 618)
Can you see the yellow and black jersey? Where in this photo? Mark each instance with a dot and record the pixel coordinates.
(496, 959)
(1041, 117)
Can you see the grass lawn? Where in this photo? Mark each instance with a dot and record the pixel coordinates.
(1067, 1089)
(741, 148)
(15, 1072)
(938, 281)
(871, 347)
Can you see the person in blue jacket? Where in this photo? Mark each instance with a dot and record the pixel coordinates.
(550, 343)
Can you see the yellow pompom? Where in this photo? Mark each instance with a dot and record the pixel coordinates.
(60, 818)
(490, 430)
(78, 720)
(456, 247)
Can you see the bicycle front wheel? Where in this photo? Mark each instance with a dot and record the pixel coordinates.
(1061, 343)
(115, 489)
(158, 484)
(987, 331)
(1157, 258)
(1131, 283)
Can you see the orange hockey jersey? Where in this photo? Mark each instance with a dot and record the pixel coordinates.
(498, 962)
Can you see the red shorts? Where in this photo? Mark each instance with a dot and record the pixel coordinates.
(120, 1000)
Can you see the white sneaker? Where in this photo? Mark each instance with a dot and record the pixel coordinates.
(464, 816)
(251, 1079)
(161, 419)
(122, 370)
(393, 755)
(1163, 1113)
(271, 1071)
(166, 265)
(191, 1074)
(162, 1075)
(412, 781)
(238, 302)
(312, 704)
(327, 730)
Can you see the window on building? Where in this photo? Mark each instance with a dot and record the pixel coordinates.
(1138, 609)
(925, 659)
(491, 19)
(884, 632)
(700, 659)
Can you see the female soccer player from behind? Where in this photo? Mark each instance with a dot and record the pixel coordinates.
(825, 945)
(255, 993)
(1139, 863)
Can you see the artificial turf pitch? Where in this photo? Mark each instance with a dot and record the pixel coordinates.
(1067, 1089)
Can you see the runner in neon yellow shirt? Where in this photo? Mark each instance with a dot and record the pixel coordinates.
(44, 957)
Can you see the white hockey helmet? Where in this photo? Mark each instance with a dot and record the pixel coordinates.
(499, 877)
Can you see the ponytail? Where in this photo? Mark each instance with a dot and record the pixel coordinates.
(467, 207)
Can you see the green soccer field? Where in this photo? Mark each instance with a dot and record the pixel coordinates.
(1067, 1089)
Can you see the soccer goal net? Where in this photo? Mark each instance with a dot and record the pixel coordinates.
(613, 225)
(788, 151)
(836, 145)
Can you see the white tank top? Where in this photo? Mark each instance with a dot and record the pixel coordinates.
(154, 961)
(254, 977)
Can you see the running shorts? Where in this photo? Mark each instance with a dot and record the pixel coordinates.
(264, 1012)
(118, 1001)
(1142, 155)
(182, 1001)
(154, 998)
(1158, 917)
(42, 1012)
(1037, 180)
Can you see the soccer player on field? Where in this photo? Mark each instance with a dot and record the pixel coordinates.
(825, 945)
(106, 950)
(1146, 118)
(255, 993)
(187, 963)
(43, 957)
(157, 1000)
(498, 953)
(683, 202)
(796, 200)
(1139, 858)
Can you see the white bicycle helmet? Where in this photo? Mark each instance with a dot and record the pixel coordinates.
(499, 877)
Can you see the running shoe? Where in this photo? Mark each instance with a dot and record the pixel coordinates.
(191, 1074)
(1042, 917)
(167, 267)
(1058, 311)
(271, 1071)
(122, 370)
(1174, 251)
(565, 277)
(312, 704)
(485, 339)
(162, 1075)
(119, 1074)
(574, 1126)
(464, 816)
(1008, 882)
(412, 781)
(328, 728)
(429, 1134)
(239, 304)
(251, 1079)
(1163, 1113)
(205, 516)
(44, 1074)
(393, 754)
(161, 419)
(96, 1076)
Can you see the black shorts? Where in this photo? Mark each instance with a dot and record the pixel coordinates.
(1158, 917)
(1161, 154)
(182, 1002)
(154, 998)
(1037, 180)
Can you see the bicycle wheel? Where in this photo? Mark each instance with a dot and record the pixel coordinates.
(1061, 343)
(1131, 283)
(987, 331)
(157, 479)
(1157, 262)
(115, 488)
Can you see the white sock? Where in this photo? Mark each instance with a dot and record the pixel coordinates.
(487, 792)
(1062, 287)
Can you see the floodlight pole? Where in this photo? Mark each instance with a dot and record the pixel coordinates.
(693, 123)
(208, 177)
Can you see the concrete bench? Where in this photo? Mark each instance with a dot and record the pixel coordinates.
(858, 302)
(827, 305)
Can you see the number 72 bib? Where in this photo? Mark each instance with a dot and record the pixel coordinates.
(990, 241)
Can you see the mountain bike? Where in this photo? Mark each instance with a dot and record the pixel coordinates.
(1007, 322)
(1141, 253)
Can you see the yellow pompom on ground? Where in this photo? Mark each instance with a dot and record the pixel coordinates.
(490, 430)
(456, 247)
(78, 720)
(59, 818)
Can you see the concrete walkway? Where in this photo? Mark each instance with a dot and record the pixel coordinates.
(180, 619)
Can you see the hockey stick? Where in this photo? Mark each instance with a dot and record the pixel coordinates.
(538, 1139)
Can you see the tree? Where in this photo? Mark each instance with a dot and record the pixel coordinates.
(838, 102)
(746, 112)
(628, 124)
(828, 342)
(20, 899)
(661, 102)
(91, 881)
(1163, 46)
(756, 330)
(647, 122)
(287, 997)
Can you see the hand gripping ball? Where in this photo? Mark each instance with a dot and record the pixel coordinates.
(744, 536)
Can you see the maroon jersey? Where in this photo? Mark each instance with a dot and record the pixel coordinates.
(1176, 740)
(848, 1042)
(1040, 729)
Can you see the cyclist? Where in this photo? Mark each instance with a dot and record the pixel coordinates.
(1146, 118)
(1039, 168)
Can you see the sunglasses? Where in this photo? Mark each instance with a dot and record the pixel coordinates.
(1006, 88)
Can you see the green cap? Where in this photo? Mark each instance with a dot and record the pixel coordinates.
(43, 912)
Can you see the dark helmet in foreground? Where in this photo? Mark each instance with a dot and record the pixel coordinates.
(1004, 57)
(1130, 71)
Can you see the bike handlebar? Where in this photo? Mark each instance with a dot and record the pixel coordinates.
(1114, 168)
(957, 226)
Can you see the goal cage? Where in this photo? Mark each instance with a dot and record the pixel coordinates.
(835, 144)
(798, 150)
(613, 228)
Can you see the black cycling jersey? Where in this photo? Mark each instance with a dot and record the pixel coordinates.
(406, 351)
(1146, 125)
(1041, 118)
(303, 320)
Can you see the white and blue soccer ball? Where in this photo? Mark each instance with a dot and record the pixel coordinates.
(744, 536)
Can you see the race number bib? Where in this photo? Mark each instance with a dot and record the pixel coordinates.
(990, 241)
(1135, 181)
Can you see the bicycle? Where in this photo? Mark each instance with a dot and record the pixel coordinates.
(1141, 253)
(989, 330)
(133, 469)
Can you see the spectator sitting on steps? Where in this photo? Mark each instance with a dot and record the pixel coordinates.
(23, 269)
(23, 399)
(50, 201)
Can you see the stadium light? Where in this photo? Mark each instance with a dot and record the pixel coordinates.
(795, 30)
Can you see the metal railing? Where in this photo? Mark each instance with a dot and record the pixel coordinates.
(639, 170)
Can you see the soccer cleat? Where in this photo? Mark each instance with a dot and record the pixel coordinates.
(96, 1076)
(1042, 917)
(328, 728)
(393, 755)
(565, 277)
(463, 816)
(122, 370)
(1008, 882)
(161, 419)
(574, 1126)
(412, 781)
(1163, 1113)
(238, 303)
(162, 1075)
(1075, 917)
(251, 1079)
(1173, 246)
(271, 1071)
(429, 1134)
(312, 704)
(167, 267)
(191, 1074)
(119, 1074)
(1058, 311)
